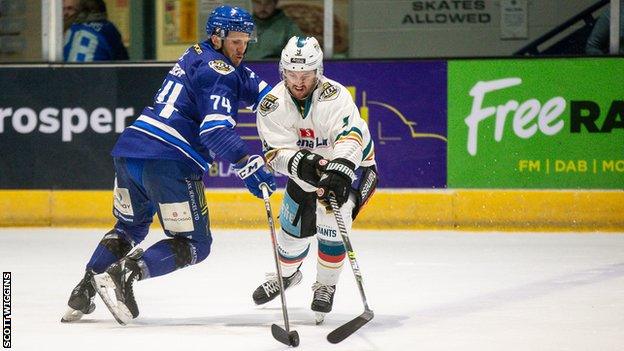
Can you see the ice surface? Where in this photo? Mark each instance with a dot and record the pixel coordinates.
(430, 290)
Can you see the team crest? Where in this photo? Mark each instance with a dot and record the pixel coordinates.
(328, 92)
(198, 49)
(221, 67)
(268, 104)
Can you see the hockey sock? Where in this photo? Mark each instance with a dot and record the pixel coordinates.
(111, 248)
(331, 255)
(169, 255)
(290, 264)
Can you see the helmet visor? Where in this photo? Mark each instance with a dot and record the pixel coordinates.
(253, 38)
(295, 77)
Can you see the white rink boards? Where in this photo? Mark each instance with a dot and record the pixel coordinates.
(429, 290)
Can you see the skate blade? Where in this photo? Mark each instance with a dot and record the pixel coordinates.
(105, 287)
(71, 315)
(319, 317)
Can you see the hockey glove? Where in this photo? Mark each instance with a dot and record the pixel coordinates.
(336, 180)
(254, 173)
(307, 166)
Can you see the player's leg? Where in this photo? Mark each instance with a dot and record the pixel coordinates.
(110, 249)
(291, 253)
(330, 259)
(331, 250)
(134, 214)
(178, 194)
(298, 225)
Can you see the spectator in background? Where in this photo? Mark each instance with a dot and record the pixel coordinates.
(70, 10)
(274, 29)
(92, 37)
(598, 41)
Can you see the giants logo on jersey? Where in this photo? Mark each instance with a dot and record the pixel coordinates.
(326, 231)
(268, 104)
(329, 92)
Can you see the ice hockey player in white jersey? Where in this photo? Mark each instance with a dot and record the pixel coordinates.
(312, 132)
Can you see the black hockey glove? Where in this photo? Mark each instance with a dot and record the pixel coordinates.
(336, 180)
(307, 166)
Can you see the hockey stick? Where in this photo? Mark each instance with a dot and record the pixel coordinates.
(285, 336)
(345, 330)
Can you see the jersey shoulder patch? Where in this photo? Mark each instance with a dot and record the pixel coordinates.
(221, 67)
(198, 49)
(268, 104)
(328, 92)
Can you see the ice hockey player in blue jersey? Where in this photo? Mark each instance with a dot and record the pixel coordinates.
(159, 161)
(92, 37)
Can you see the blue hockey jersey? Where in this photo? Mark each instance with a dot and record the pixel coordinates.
(195, 111)
(93, 41)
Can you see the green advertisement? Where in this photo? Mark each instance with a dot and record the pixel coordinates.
(536, 124)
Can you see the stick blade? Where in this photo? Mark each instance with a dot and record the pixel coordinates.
(345, 330)
(286, 338)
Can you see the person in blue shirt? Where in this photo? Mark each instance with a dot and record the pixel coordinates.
(92, 37)
(159, 162)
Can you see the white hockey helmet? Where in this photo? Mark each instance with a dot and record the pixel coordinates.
(302, 54)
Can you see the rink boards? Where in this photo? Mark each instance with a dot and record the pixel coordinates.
(510, 210)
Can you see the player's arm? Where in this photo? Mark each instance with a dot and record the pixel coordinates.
(349, 133)
(255, 90)
(279, 141)
(217, 133)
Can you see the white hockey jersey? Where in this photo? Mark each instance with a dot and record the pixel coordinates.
(329, 125)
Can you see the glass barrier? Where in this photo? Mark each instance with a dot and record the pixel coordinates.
(20, 31)
(362, 29)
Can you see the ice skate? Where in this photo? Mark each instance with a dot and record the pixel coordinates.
(270, 289)
(115, 287)
(81, 300)
(322, 301)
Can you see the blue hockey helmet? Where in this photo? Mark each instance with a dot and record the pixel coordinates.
(226, 18)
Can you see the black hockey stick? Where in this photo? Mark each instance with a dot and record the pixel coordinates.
(285, 336)
(343, 331)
